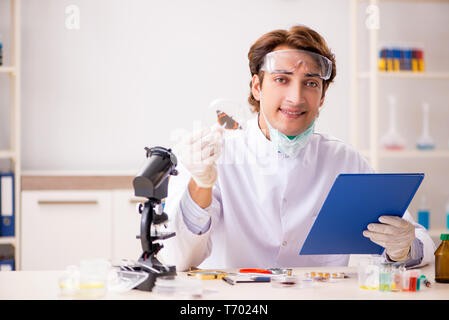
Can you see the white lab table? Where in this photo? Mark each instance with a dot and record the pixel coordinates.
(43, 285)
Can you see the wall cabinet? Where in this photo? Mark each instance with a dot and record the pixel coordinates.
(60, 228)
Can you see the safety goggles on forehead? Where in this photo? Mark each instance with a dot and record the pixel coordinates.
(287, 61)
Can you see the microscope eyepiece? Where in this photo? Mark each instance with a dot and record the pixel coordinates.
(152, 180)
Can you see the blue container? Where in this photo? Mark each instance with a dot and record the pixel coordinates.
(7, 265)
(447, 221)
(423, 218)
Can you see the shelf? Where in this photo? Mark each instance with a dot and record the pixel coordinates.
(435, 233)
(6, 154)
(414, 154)
(413, 0)
(407, 153)
(8, 240)
(408, 75)
(7, 69)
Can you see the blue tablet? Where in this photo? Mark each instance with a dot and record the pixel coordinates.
(354, 201)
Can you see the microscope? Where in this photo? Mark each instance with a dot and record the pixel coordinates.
(152, 183)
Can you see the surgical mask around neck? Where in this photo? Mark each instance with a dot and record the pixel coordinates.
(288, 145)
(291, 146)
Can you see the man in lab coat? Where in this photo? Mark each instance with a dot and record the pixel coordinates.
(249, 199)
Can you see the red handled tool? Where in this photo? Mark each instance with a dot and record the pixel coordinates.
(255, 271)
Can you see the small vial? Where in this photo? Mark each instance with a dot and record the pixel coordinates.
(413, 280)
(398, 271)
(406, 280)
(385, 277)
(412, 285)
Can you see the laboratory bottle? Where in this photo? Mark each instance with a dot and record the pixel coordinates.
(442, 260)
(425, 141)
(1, 50)
(391, 139)
(424, 214)
(447, 215)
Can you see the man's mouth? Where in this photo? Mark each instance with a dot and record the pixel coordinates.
(292, 113)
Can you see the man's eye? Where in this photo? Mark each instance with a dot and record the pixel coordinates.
(312, 84)
(280, 80)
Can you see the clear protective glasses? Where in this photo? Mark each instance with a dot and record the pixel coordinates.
(287, 61)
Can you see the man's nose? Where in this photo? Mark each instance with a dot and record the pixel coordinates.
(294, 94)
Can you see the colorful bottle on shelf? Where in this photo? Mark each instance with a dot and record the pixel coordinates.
(390, 57)
(414, 60)
(396, 59)
(442, 260)
(407, 59)
(383, 60)
(421, 60)
(424, 214)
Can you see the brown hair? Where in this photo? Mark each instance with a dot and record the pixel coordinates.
(299, 37)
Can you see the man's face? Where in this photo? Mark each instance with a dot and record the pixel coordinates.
(290, 102)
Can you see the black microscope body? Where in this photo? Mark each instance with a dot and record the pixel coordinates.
(152, 183)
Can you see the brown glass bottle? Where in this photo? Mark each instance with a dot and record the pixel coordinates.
(442, 260)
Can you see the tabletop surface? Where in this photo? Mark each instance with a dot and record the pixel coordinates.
(44, 285)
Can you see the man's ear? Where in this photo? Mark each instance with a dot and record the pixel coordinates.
(255, 87)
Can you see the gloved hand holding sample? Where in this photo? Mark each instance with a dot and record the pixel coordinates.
(394, 234)
(199, 151)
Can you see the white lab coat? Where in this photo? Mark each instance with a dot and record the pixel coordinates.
(264, 204)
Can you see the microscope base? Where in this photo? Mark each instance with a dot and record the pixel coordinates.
(148, 284)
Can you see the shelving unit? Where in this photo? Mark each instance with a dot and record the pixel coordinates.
(407, 153)
(13, 153)
(375, 154)
(408, 75)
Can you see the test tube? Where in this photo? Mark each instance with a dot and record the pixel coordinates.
(405, 280)
(385, 277)
(398, 270)
(413, 280)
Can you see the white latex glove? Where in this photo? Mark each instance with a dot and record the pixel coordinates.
(394, 234)
(199, 152)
